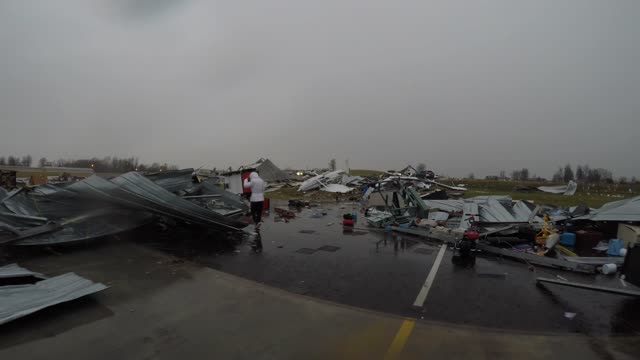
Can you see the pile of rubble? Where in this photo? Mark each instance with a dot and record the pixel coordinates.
(96, 207)
(339, 181)
(577, 239)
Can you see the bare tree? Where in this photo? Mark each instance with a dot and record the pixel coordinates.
(3, 161)
(634, 180)
(586, 173)
(515, 175)
(27, 160)
(558, 177)
(422, 167)
(622, 180)
(471, 176)
(12, 161)
(579, 174)
(332, 164)
(42, 162)
(568, 173)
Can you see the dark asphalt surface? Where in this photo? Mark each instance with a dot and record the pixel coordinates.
(384, 271)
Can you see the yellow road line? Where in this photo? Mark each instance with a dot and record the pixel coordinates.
(400, 340)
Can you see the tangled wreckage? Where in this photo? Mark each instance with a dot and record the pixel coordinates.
(96, 207)
(577, 239)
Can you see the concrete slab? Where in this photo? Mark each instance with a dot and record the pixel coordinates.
(385, 271)
(161, 307)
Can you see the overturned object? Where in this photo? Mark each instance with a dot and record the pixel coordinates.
(337, 188)
(321, 180)
(20, 300)
(569, 189)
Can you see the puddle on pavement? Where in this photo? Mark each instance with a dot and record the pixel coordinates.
(306, 251)
(329, 248)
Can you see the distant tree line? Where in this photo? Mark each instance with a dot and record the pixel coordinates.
(520, 175)
(585, 174)
(16, 160)
(109, 164)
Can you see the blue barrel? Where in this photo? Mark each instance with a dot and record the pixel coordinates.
(615, 245)
(568, 239)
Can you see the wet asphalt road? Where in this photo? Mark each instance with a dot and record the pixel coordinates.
(384, 271)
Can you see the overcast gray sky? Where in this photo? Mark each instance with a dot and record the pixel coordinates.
(463, 86)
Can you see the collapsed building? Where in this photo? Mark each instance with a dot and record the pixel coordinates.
(268, 171)
(516, 229)
(96, 207)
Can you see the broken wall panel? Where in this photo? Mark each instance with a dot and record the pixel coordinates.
(13, 270)
(20, 300)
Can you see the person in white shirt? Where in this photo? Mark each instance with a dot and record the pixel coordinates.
(257, 186)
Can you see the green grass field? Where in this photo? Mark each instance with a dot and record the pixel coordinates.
(365, 172)
(592, 195)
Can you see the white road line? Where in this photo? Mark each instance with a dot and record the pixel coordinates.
(422, 295)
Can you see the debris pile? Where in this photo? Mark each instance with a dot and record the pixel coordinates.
(339, 181)
(568, 239)
(96, 207)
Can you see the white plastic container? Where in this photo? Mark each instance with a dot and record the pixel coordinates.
(609, 269)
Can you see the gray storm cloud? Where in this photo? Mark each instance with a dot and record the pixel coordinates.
(478, 86)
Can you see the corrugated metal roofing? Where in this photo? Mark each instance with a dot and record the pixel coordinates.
(173, 180)
(489, 209)
(20, 300)
(622, 210)
(13, 270)
(96, 207)
(268, 171)
(133, 190)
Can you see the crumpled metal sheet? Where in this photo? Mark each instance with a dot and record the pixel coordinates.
(497, 209)
(446, 205)
(318, 180)
(96, 207)
(336, 188)
(180, 182)
(622, 210)
(523, 212)
(133, 190)
(173, 180)
(569, 189)
(90, 227)
(229, 199)
(494, 211)
(20, 300)
(13, 270)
